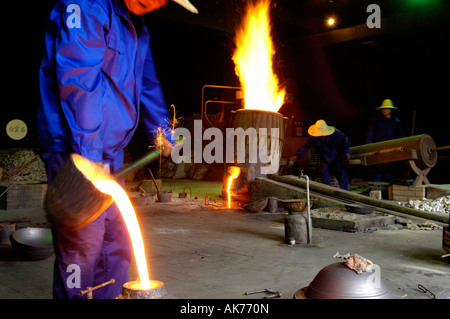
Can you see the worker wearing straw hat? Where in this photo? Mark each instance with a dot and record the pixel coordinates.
(385, 126)
(333, 150)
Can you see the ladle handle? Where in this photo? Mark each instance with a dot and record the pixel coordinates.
(144, 160)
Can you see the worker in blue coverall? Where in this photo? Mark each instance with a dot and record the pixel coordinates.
(97, 79)
(333, 151)
(385, 126)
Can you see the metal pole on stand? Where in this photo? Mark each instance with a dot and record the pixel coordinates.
(308, 207)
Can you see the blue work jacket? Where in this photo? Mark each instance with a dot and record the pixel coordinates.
(96, 79)
(384, 129)
(332, 147)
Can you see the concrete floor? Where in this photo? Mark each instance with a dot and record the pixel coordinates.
(207, 251)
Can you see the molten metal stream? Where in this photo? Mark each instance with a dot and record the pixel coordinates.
(113, 189)
(234, 173)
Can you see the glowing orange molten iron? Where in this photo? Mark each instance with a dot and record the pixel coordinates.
(233, 172)
(105, 183)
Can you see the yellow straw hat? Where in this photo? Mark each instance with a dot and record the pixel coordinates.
(320, 129)
(387, 104)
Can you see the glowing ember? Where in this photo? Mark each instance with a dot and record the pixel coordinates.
(253, 60)
(137, 285)
(233, 172)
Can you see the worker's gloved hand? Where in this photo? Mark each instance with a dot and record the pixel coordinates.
(166, 147)
(104, 166)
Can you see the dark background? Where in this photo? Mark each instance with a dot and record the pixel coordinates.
(339, 79)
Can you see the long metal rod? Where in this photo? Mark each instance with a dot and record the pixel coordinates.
(144, 160)
(141, 162)
(334, 191)
(308, 208)
(216, 87)
(441, 148)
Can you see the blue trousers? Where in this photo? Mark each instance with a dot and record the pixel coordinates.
(339, 170)
(91, 255)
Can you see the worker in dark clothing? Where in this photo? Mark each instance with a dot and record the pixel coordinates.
(97, 80)
(385, 126)
(333, 151)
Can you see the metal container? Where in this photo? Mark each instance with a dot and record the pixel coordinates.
(33, 243)
(295, 205)
(245, 119)
(164, 196)
(131, 290)
(359, 209)
(296, 229)
(337, 281)
(72, 200)
(256, 206)
(6, 230)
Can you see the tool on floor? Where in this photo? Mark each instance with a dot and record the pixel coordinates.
(273, 294)
(88, 291)
(425, 291)
(154, 181)
(277, 295)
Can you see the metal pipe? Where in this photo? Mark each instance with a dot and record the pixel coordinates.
(89, 290)
(441, 148)
(334, 191)
(141, 162)
(308, 207)
(144, 160)
(388, 150)
(217, 87)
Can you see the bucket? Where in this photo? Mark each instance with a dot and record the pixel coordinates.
(164, 197)
(6, 230)
(72, 200)
(257, 119)
(296, 228)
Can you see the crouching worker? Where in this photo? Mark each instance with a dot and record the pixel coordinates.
(333, 152)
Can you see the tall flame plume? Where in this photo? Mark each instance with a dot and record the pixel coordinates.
(253, 60)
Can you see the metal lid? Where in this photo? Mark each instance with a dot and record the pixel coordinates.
(337, 281)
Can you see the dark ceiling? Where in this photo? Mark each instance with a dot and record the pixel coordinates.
(295, 17)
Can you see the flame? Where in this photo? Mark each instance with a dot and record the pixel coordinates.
(105, 183)
(233, 172)
(253, 60)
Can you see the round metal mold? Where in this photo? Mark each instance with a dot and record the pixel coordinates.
(132, 290)
(33, 243)
(296, 205)
(256, 206)
(337, 281)
(359, 209)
